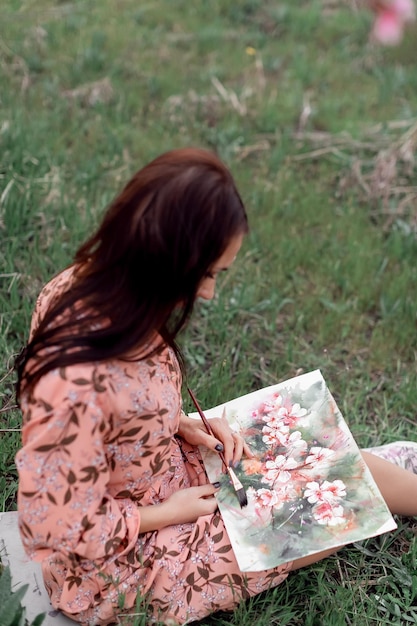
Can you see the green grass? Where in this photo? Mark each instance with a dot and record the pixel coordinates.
(328, 275)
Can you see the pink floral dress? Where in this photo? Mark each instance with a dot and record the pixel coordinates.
(99, 442)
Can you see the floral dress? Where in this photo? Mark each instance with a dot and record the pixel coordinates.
(99, 442)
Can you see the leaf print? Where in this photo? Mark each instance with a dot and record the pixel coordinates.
(216, 520)
(25, 527)
(92, 474)
(81, 381)
(245, 593)
(223, 549)
(124, 494)
(51, 498)
(47, 407)
(111, 545)
(97, 380)
(217, 579)
(71, 477)
(142, 455)
(67, 440)
(74, 418)
(74, 580)
(147, 416)
(133, 431)
(145, 439)
(159, 552)
(86, 524)
(102, 510)
(46, 447)
(237, 579)
(203, 572)
(68, 496)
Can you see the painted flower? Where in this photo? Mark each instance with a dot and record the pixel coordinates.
(269, 405)
(278, 470)
(266, 498)
(328, 514)
(291, 413)
(252, 466)
(296, 443)
(319, 455)
(280, 410)
(275, 436)
(287, 492)
(326, 491)
(274, 498)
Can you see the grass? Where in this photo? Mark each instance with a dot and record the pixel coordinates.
(319, 129)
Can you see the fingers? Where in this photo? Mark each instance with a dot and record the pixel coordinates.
(187, 505)
(199, 477)
(207, 501)
(247, 451)
(223, 439)
(238, 449)
(207, 490)
(208, 506)
(202, 491)
(234, 446)
(228, 441)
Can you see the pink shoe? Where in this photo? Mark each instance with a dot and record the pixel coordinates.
(401, 453)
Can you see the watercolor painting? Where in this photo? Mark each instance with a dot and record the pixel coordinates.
(308, 488)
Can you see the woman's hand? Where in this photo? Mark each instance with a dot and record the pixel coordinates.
(182, 507)
(232, 443)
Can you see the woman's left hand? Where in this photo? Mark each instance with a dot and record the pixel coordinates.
(234, 446)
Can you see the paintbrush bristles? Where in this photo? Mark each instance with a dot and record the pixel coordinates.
(237, 485)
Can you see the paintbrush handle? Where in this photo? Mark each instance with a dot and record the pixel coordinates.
(205, 422)
(237, 485)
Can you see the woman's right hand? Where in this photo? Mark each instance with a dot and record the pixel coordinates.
(182, 507)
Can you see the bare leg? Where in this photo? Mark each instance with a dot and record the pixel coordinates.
(397, 485)
(313, 558)
(398, 488)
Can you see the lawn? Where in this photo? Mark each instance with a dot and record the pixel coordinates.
(319, 127)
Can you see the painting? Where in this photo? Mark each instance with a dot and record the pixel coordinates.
(307, 485)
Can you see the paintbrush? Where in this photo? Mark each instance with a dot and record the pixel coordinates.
(237, 485)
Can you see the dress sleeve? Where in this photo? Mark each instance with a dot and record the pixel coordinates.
(63, 499)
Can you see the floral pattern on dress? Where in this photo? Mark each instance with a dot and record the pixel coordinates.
(100, 441)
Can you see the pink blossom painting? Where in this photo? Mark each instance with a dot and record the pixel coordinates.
(308, 488)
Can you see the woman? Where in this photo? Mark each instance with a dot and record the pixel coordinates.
(113, 497)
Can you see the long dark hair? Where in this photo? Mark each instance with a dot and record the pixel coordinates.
(140, 272)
